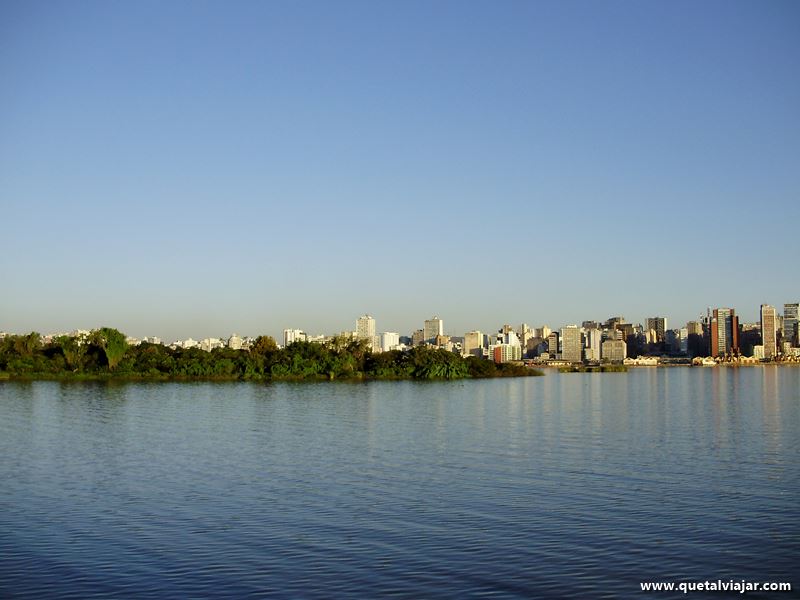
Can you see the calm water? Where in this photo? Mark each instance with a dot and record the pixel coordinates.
(578, 485)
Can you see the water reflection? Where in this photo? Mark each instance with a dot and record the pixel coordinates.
(555, 486)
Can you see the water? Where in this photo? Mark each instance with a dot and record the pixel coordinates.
(574, 485)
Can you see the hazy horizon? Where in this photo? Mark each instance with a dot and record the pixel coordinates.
(197, 169)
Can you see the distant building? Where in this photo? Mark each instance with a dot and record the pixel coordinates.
(442, 341)
(506, 347)
(683, 338)
(389, 341)
(614, 351)
(694, 328)
(659, 326)
(365, 329)
(552, 344)
(758, 352)
(525, 333)
(790, 324)
(503, 353)
(433, 327)
(290, 336)
(418, 337)
(571, 344)
(724, 328)
(769, 330)
(594, 338)
(473, 344)
(235, 342)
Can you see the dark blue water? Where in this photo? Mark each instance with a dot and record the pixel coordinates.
(575, 485)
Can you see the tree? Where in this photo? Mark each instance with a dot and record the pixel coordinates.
(113, 344)
(264, 344)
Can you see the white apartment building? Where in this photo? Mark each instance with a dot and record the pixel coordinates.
(389, 340)
(291, 336)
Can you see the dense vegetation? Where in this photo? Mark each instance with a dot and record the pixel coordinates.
(104, 354)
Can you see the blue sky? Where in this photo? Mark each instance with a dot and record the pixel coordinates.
(199, 168)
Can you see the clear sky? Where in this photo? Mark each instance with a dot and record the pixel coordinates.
(198, 168)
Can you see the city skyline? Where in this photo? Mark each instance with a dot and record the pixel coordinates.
(375, 329)
(292, 165)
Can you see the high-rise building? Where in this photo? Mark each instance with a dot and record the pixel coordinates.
(389, 341)
(694, 328)
(657, 324)
(433, 327)
(291, 336)
(418, 337)
(724, 332)
(593, 341)
(525, 333)
(769, 330)
(790, 324)
(571, 344)
(506, 347)
(552, 344)
(365, 327)
(614, 351)
(473, 344)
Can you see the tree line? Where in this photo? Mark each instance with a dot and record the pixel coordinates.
(104, 354)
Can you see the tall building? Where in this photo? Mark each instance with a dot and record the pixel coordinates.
(724, 327)
(433, 327)
(614, 351)
(291, 336)
(525, 333)
(506, 347)
(694, 327)
(473, 344)
(769, 330)
(552, 344)
(593, 341)
(418, 337)
(389, 341)
(365, 327)
(571, 344)
(790, 324)
(657, 324)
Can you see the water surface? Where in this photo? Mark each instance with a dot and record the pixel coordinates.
(572, 485)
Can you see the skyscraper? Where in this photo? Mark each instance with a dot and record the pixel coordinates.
(790, 332)
(473, 344)
(593, 341)
(365, 329)
(291, 336)
(657, 324)
(433, 327)
(769, 330)
(724, 332)
(571, 344)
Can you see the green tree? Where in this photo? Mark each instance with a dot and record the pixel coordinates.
(112, 343)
